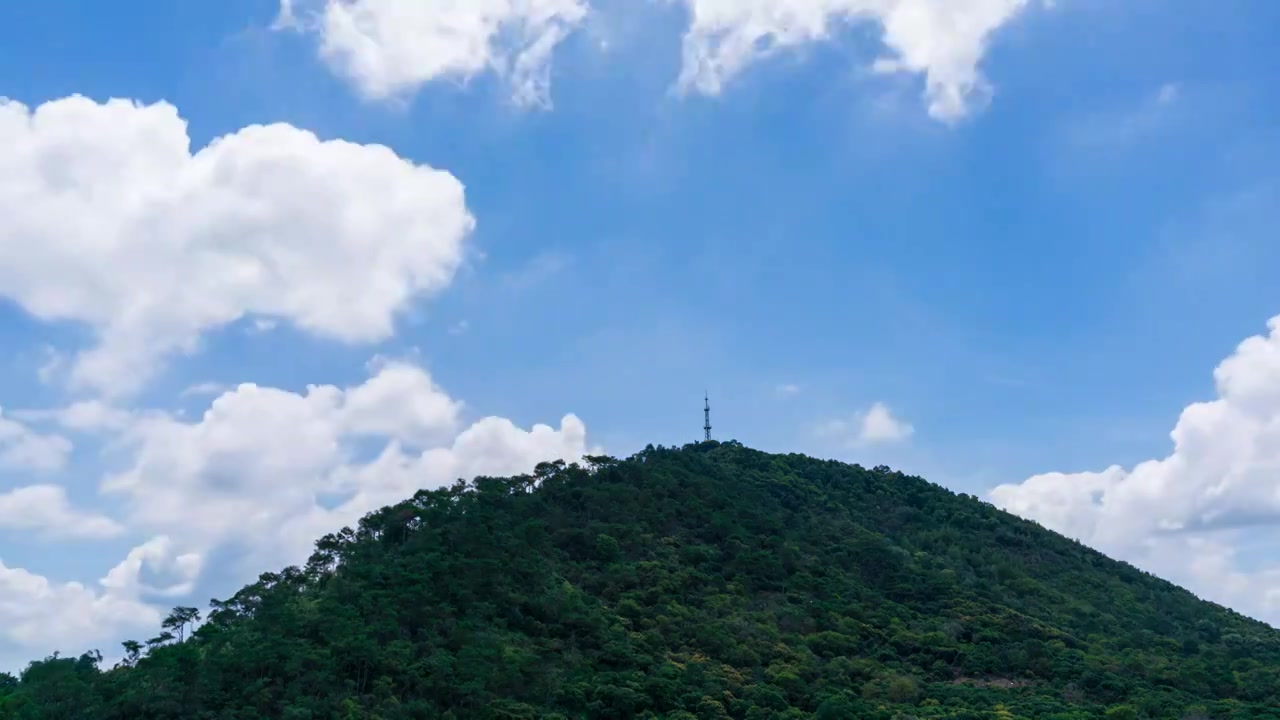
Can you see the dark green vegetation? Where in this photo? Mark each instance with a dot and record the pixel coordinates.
(712, 581)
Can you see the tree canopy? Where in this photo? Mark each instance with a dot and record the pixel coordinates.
(709, 581)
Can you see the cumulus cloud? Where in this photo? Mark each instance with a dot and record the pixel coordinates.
(253, 482)
(389, 48)
(877, 425)
(402, 402)
(1220, 477)
(158, 556)
(268, 471)
(21, 448)
(108, 219)
(46, 510)
(943, 41)
(40, 614)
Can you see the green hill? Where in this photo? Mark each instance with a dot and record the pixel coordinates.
(711, 581)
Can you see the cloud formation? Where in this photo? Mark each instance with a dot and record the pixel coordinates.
(46, 511)
(390, 48)
(268, 471)
(1219, 480)
(254, 482)
(39, 613)
(108, 219)
(943, 41)
(877, 425)
(21, 448)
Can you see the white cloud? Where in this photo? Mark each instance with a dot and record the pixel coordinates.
(1212, 566)
(24, 449)
(85, 416)
(158, 556)
(877, 425)
(39, 615)
(46, 510)
(401, 402)
(271, 470)
(788, 390)
(390, 48)
(1222, 475)
(943, 41)
(204, 388)
(93, 416)
(254, 482)
(108, 219)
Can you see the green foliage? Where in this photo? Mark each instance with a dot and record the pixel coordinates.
(711, 581)
(1122, 712)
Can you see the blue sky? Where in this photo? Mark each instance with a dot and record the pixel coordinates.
(1038, 281)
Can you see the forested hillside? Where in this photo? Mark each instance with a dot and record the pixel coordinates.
(711, 581)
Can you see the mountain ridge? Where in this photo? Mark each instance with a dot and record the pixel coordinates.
(707, 581)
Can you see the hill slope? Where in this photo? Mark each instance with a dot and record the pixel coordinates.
(712, 581)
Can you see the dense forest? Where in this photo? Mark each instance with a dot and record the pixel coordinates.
(710, 581)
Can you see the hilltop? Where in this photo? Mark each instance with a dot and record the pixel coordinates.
(710, 581)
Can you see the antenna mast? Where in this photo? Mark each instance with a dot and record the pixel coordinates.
(706, 414)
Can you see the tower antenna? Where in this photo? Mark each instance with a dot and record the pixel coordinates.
(706, 414)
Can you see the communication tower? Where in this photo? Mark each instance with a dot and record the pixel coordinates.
(706, 415)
